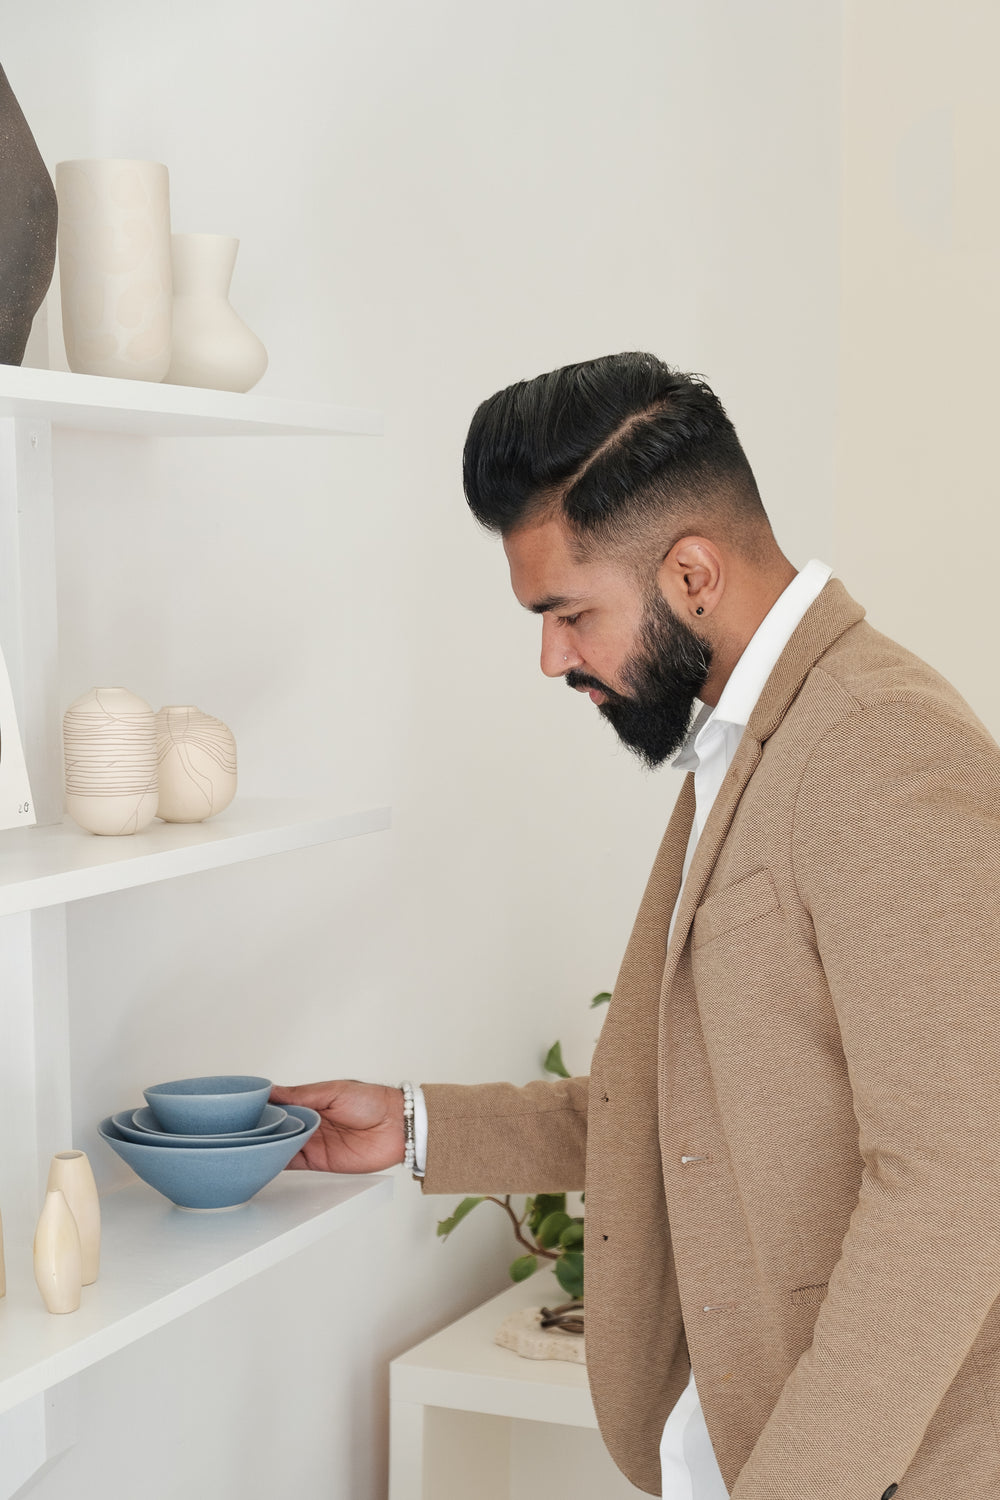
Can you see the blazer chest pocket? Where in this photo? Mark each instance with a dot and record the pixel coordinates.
(733, 907)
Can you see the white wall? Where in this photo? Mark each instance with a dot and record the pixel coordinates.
(433, 200)
(918, 523)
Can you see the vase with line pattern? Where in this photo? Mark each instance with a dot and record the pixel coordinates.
(196, 764)
(109, 742)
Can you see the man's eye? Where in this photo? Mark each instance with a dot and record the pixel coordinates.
(568, 619)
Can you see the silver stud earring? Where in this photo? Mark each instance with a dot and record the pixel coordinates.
(699, 610)
(565, 658)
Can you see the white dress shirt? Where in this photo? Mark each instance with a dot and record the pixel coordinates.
(687, 1459)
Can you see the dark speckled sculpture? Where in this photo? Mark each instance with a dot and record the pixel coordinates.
(27, 228)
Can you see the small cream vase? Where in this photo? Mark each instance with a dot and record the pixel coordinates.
(115, 270)
(71, 1174)
(196, 764)
(212, 346)
(57, 1257)
(109, 739)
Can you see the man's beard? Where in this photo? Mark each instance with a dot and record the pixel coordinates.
(665, 674)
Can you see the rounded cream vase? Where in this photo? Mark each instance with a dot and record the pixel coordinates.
(109, 742)
(212, 346)
(71, 1174)
(115, 274)
(57, 1258)
(196, 764)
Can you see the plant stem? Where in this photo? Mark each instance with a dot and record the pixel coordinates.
(504, 1203)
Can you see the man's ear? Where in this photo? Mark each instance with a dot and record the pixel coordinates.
(691, 578)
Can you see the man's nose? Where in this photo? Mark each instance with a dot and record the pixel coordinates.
(557, 657)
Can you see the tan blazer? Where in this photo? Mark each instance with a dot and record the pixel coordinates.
(792, 1134)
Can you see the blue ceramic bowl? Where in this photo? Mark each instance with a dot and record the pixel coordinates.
(125, 1124)
(222, 1178)
(209, 1106)
(145, 1122)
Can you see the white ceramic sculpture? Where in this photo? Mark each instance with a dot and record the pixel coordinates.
(114, 267)
(212, 346)
(196, 769)
(109, 739)
(71, 1174)
(57, 1257)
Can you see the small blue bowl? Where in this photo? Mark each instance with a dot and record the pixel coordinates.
(145, 1122)
(125, 1123)
(209, 1106)
(221, 1178)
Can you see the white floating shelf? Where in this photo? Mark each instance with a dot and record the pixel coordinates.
(60, 862)
(143, 407)
(157, 1263)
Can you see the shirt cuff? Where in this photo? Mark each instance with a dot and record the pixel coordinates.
(419, 1132)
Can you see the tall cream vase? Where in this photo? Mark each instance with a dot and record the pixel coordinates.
(71, 1174)
(196, 764)
(114, 267)
(212, 346)
(57, 1258)
(109, 741)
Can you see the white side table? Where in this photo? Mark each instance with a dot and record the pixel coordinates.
(467, 1417)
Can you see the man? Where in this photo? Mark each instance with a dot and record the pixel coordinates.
(790, 1128)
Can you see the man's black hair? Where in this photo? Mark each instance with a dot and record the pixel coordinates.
(608, 444)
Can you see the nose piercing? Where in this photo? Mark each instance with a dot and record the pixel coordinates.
(565, 658)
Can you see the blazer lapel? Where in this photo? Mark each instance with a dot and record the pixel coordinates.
(745, 762)
(641, 970)
(833, 612)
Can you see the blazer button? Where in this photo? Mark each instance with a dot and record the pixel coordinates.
(890, 1492)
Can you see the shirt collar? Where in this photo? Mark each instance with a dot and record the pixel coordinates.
(747, 679)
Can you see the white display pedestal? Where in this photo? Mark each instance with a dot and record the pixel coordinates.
(469, 1418)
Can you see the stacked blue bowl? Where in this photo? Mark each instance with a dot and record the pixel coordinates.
(209, 1143)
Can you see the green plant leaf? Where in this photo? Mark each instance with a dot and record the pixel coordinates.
(445, 1226)
(544, 1204)
(551, 1227)
(569, 1273)
(601, 999)
(523, 1267)
(572, 1236)
(554, 1061)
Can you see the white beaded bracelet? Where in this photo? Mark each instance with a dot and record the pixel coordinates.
(409, 1136)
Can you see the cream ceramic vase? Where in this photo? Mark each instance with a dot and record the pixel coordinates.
(114, 267)
(109, 741)
(71, 1174)
(57, 1257)
(212, 346)
(196, 764)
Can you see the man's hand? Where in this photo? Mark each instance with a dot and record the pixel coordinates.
(360, 1126)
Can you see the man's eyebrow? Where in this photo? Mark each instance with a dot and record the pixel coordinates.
(553, 601)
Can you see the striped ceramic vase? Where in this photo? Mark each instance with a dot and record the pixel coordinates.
(109, 741)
